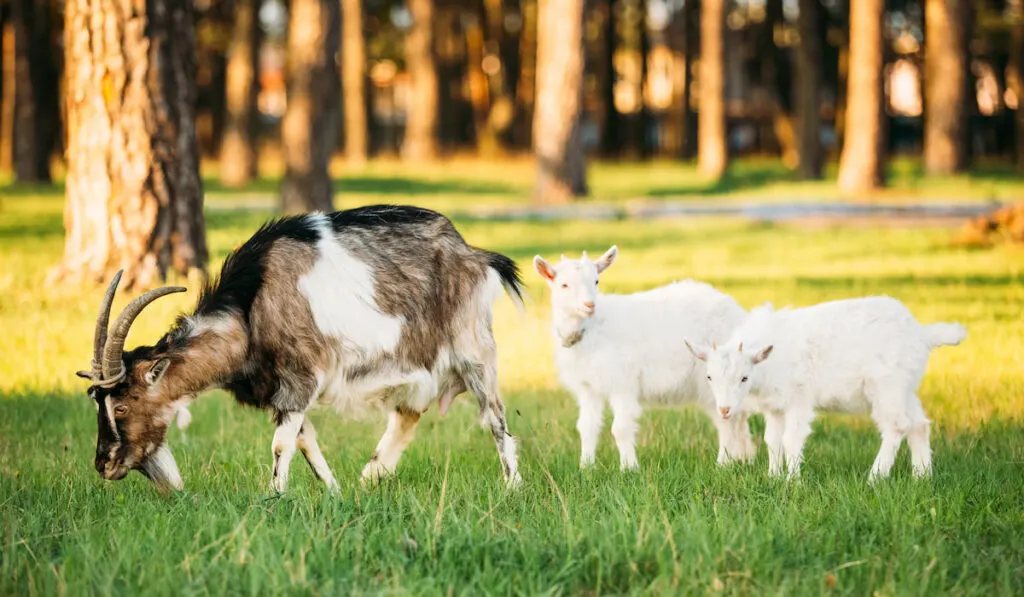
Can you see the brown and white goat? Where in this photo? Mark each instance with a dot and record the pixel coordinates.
(380, 306)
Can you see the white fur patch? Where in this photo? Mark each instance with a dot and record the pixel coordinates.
(340, 291)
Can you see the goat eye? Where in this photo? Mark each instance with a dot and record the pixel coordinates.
(709, 378)
(744, 380)
(120, 410)
(565, 285)
(596, 282)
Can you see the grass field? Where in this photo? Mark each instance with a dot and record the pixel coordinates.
(446, 525)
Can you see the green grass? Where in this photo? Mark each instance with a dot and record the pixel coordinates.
(445, 524)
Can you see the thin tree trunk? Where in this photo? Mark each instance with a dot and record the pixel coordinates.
(353, 80)
(311, 123)
(527, 87)
(8, 70)
(778, 78)
(675, 137)
(1017, 81)
(643, 116)
(134, 196)
(611, 144)
(691, 21)
(947, 64)
(238, 152)
(421, 123)
(479, 86)
(712, 149)
(862, 162)
(808, 83)
(36, 115)
(558, 139)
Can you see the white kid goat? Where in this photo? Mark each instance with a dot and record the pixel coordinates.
(624, 350)
(855, 355)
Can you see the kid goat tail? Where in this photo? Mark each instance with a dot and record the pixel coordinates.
(511, 279)
(944, 334)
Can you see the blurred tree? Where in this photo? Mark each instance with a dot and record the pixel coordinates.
(1016, 78)
(134, 196)
(808, 84)
(522, 132)
(36, 114)
(610, 142)
(557, 134)
(946, 84)
(777, 75)
(8, 62)
(353, 80)
(309, 131)
(862, 162)
(712, 148)
(421, 122)
(238, 152)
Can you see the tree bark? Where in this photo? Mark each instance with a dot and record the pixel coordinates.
(862, 162)
(947, 64)
(421, 124)
(778, 78)
(311, 122)
(808, 83)
(238, 152)
(526, 89)
(712, 148)
(353, 81)
(558, 139)
(134, 196)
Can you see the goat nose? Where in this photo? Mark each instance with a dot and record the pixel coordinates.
(725, 410)
(101, 465)
(588, 306)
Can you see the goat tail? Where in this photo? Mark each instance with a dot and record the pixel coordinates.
(944, 334)
(508, 272)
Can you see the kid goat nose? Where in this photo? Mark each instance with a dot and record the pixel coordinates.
(725, 410)
(588, 306)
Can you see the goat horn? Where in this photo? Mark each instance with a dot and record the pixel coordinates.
(113, 362)
(100, 337)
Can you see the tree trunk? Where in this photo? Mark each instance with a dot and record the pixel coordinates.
(526, 89)
(134, 196)
(808, 83)
(421, 123)
(8, 70)
(557, 135)
(643, 116)
(1017, 81)
(862, 162)
(311, 123)
(611, 144)
(36, 114)
(778, 79)
(712, 149)
(353, 81)
(947, 64)
(238, 155)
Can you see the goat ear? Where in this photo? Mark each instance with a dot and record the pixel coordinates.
(543, 268)
(84, 374)
(156, 372)
(762, 354)
(701, 352)
(605, 261)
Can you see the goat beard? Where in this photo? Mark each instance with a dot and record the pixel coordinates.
(162, 470)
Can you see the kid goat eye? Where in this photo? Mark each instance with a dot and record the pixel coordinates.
(744, 380)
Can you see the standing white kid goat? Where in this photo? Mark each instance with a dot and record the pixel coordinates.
(624, 349)
(841, 356)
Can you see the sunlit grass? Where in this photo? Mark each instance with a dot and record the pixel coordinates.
(679, 526)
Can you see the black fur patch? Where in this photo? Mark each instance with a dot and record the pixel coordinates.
(507, 270)
(383, 215)
(242, 275)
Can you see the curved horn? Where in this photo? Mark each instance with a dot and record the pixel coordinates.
(113, 364)
(100, 337)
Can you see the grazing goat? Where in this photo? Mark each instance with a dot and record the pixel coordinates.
(376, 307)
(624, 350)
(841, 356)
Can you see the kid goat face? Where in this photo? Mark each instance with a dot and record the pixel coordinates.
(574, 283)
(729, 371)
